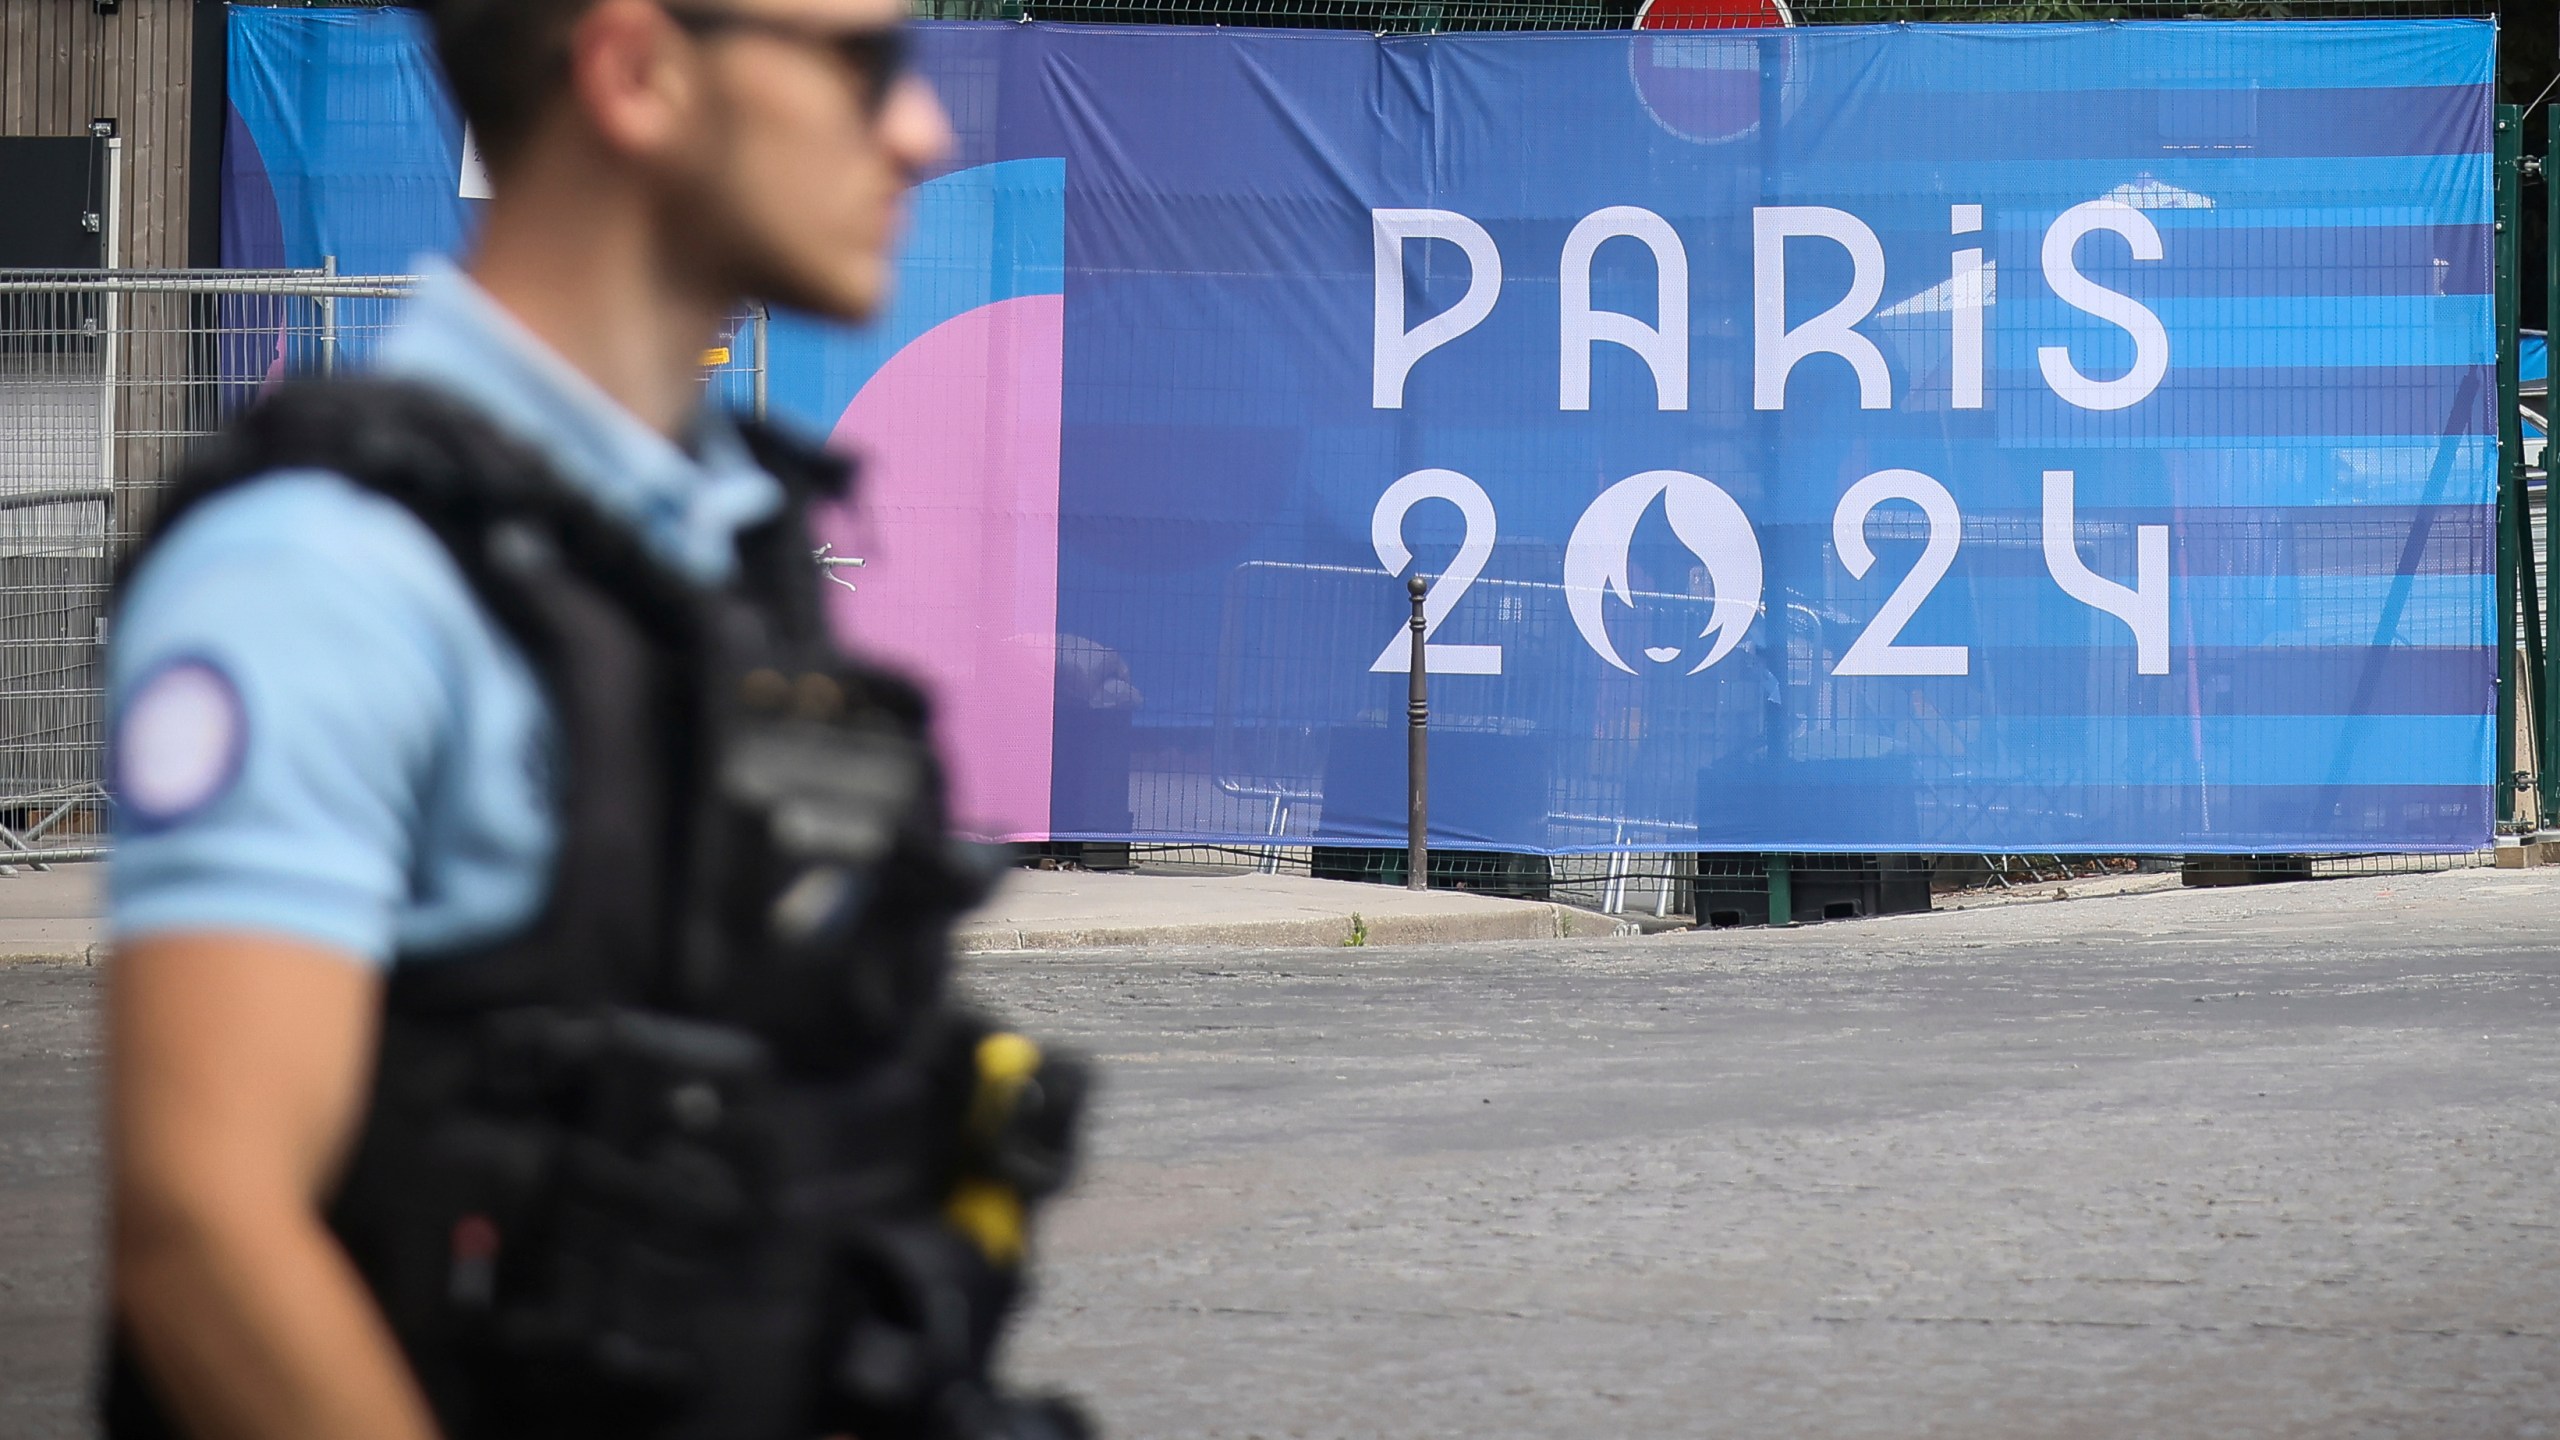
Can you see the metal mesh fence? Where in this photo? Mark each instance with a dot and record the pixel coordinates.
(100, 390)
(1717, 890)
(103, 383)
(106, 380)
(1249, 769)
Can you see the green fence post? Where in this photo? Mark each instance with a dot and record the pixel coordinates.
(2550, 732)
(1782, 900)
(2510, 469)
(2532, 691)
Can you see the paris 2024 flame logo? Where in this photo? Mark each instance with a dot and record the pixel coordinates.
(1705, 519)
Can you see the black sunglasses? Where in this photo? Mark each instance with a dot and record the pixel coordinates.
(876, 54)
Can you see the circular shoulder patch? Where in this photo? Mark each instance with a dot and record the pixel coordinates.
(179, 742)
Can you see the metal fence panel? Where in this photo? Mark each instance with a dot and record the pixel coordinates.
(106, 381)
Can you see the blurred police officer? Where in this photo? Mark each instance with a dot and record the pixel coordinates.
(337, 765)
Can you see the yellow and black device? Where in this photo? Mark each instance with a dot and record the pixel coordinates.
(1021, 1134)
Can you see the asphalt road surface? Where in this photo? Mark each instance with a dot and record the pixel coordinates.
(2274, 1162)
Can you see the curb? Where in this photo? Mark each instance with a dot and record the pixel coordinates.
(1525, 921)
(81, 955)
(2056, 891)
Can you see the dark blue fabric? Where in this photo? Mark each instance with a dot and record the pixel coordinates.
(2319, 192)
(2320, 449)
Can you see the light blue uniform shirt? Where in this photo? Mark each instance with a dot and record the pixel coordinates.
(315, 729)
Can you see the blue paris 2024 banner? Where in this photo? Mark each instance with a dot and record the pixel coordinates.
(1917, 438)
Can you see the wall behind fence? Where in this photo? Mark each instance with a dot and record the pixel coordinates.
(2016, 438)
(63, 67)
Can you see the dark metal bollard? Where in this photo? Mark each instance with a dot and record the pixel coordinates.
(1417, 755)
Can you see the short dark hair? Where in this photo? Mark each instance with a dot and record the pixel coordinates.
(506, 60)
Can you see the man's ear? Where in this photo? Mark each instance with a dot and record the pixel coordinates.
(633, 80)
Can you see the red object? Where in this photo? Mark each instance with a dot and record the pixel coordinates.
(475, 1239)
(1708, 88)
(1713, 15)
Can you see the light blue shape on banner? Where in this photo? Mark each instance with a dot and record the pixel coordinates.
(2290, 612)
(974, 237)
(2443, 189)
(2352, 475)
(2108, 55)
(2251, 750)
(2308, 217)
(2259, 332)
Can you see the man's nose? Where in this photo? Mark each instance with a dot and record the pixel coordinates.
(914, 128)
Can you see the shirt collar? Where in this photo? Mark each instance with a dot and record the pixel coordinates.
(688, 506)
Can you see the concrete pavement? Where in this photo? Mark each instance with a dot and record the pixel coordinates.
(54, 915)
(2271, 1162)
(2275, 1162)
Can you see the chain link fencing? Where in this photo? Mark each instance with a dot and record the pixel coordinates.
(1719, 889)
(1253, 769)
(107, 379)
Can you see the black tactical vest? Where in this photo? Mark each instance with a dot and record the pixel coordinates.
(707, 1150)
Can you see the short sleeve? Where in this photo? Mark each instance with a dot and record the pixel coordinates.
(281, 684)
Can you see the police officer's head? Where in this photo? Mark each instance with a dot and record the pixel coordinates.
(767, 142)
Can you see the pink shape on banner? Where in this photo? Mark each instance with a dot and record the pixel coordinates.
(956, 519)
